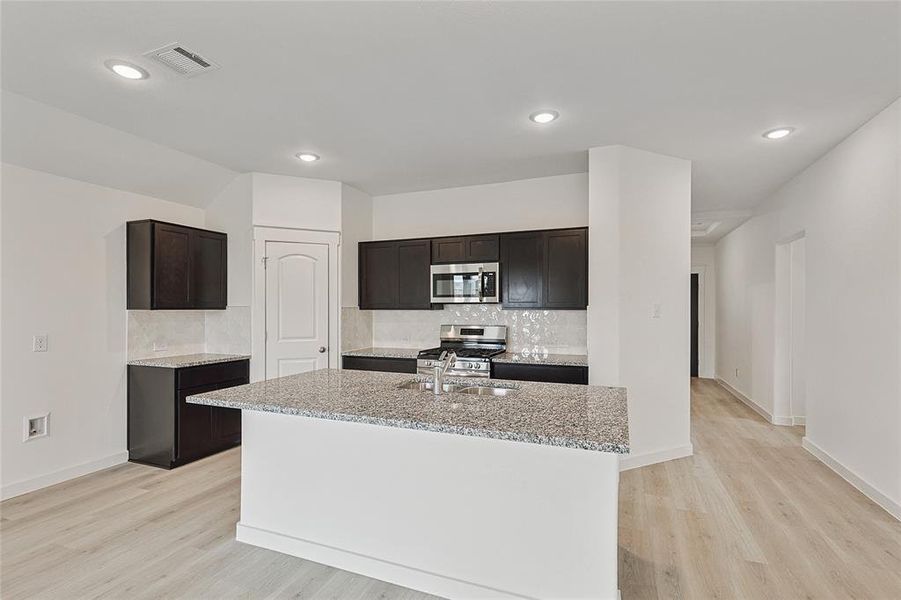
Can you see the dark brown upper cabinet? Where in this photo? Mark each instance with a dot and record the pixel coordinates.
(395, 274)
(566, 268)
(545, 269)
(176, 267)
(522, 269)
(463, 249)
(414, 277)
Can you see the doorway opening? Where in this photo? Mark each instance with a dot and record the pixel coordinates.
(790, 384)
(695, 324)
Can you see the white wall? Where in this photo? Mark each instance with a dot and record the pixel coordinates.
(296, 202)
(541, 203)
(847, 204)
(356, 227)
(231, 211)
(703, 260)
(63, 253)
(639, 255)
(48, 139)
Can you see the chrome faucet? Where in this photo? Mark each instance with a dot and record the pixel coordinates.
(441, 365)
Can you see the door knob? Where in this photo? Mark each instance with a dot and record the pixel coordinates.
(321, 349)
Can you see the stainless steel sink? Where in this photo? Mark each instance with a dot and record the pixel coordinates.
(486, 390)
(428, 386)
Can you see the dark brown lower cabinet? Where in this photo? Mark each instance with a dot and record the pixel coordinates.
(376, 363)
(164, 430)
(545, 373)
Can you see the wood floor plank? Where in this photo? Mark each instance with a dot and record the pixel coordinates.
(751, 516)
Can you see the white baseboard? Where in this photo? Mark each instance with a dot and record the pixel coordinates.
(890, 506)
(410, 577)
(29, 485)
(799, 420)
(634, 461)
(770, 418)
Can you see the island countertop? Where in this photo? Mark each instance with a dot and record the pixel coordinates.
(572, 416)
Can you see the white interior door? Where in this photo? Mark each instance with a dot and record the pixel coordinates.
(297, 305)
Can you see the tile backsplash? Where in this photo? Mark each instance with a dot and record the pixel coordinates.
(155, 333)
(165, 333)
(228, 331)
(529, 331)
(356, 328)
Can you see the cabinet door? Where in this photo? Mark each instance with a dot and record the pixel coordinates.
(378, 275)
(414, 281)
(566, 268)
(201, 429)
(482, 248)
(209, 270)
(226, 423)
(449, 250)
(171, 266)
(195, 434)
(522, 269)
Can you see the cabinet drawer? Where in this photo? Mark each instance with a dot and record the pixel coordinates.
(388, 365)
(211, 374)
(544, 373)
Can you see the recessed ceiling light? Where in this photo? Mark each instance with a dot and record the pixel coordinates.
(126, 69)
(544, 116)
(779, 133)
(307, 156)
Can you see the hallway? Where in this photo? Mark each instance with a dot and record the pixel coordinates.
(751, 515)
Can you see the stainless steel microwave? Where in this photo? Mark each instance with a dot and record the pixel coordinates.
(466, 283)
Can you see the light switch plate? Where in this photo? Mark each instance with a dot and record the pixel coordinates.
(39, 343)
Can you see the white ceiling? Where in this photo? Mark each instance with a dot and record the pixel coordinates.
(419, 95)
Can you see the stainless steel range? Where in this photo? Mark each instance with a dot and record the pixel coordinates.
(474, 346)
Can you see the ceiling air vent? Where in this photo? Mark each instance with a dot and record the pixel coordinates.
(181, 60)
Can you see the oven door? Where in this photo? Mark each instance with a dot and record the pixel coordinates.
(465, 283)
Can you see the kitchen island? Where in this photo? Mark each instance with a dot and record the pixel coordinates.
(460, 495)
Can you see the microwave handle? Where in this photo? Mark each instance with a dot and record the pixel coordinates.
(481, 285)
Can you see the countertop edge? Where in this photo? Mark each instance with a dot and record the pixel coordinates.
(155, 362)
(418, 426)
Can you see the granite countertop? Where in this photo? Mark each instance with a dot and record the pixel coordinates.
(565, 360)
(383, 352)
(587, 417)
(187, 360)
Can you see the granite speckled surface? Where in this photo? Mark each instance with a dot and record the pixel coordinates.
(572, 416)
(383, 352)
(565, 360)
(186, 360)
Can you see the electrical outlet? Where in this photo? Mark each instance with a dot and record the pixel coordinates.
(39, 343)
(655, 311)
(35, 427)
(160, 346)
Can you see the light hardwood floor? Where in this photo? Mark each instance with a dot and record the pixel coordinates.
(750, 516)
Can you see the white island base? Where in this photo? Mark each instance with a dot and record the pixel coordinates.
(453, 515)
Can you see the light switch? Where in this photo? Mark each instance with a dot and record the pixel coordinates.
(655, 312)
(39, 343)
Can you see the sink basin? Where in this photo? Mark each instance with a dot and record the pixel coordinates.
(486, 390)
(428, 386)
